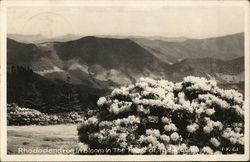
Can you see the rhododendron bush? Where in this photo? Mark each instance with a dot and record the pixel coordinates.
(25, 116)
(194, 116)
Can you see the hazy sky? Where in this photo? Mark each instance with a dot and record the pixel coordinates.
(170, 21)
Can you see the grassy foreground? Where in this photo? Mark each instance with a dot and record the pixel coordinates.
(42, 139)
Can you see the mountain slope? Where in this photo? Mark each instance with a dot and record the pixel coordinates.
(225, 72)
(92, 61)
(21, 53)
(115, 57)
(105, 63)
(108, 52)
(224, 48)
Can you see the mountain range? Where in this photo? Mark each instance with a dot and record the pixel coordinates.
(103, 63)
(38, 38)
(224, 48)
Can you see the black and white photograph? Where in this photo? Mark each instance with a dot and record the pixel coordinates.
(159, 79)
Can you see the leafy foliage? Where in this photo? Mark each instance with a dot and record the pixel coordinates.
(190, 117)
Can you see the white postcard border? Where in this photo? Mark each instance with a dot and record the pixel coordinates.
(143, 3)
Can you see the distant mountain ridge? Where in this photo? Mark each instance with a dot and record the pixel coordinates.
(224, 48)
(222, 71)
(100, 64)
(38, 38)
(167, 39)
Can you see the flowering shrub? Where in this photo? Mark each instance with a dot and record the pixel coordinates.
(161, 117)
(25, 116)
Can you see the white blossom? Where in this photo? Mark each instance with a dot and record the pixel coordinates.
(210, 99)
(237, 129)
(140, 108)
(123, 144)
(165, 138)
(174, 149)
(174, 136)
(183, 148)
(200, 83)
(194, 149)
(114, 108)
(153, 119)
(200, 110)
(215, 142)
(120, 91)
(154, 132)
(178, 86)
(101, 101)
(170, 127)
(93, 120)
(192, 127)
(210, 111)
(161, 146)
(166, 120)
(207, 150)
(233, 137)
(207, 129)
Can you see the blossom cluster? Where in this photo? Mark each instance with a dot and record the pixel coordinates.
(200, 83)
(154, 140)
(233, 136)
(211, 125)
(25, 116)
(194, 116)
(192, 127)
(121, 129)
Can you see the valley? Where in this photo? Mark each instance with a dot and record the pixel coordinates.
(96, 65)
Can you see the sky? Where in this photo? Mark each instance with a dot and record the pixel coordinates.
(166, 21)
